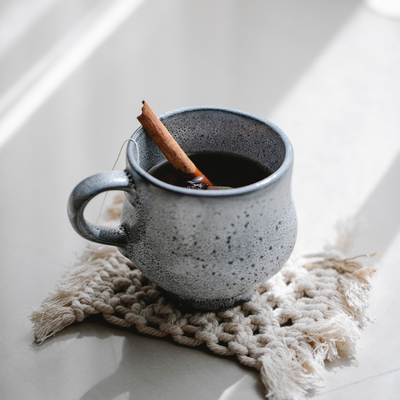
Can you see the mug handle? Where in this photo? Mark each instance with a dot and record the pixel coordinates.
(84, 192)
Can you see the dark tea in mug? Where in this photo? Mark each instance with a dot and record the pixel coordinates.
(222, 169)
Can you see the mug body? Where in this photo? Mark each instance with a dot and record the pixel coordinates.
(211, 249)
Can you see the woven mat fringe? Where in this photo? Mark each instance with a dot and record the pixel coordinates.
(311, 311)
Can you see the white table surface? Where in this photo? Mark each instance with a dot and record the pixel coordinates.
(73, 74)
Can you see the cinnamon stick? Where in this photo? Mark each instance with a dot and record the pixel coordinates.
(168, 146)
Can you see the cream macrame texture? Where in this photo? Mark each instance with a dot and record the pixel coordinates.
(311, 311)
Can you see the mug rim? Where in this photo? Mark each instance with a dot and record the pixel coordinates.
(264, 183)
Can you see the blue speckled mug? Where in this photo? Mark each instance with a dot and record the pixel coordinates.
(208, 250)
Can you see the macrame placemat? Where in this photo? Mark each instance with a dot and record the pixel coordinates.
(311, 311)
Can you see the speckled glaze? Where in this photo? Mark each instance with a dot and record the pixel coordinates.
(208, 250)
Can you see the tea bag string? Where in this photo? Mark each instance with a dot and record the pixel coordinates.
(116, 161)
(96, 251)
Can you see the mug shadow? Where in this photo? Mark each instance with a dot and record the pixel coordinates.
(152, 367)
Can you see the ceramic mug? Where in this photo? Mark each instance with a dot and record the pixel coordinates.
(208, 250)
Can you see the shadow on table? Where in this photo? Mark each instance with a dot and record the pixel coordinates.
(381, 211)
(141, 375)
(152, 367)
(234, 54)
